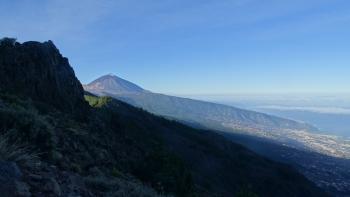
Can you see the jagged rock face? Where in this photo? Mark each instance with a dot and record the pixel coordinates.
(38, 71)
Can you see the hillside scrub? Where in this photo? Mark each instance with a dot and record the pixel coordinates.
(15, 152)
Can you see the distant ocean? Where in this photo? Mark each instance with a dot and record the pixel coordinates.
(327, 123)
(330, 114)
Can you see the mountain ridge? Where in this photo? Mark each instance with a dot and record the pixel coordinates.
(116, 149)
(221, 117)
(298, 142)
(113, 83)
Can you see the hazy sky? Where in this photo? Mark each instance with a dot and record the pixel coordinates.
(196, 46)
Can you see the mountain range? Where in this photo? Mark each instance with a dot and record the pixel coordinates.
(57, 140)
(273, 137)
(199, 113)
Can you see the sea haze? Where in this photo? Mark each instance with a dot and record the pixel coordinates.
(330, 114)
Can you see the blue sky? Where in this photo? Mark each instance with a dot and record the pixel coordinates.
(197, 46)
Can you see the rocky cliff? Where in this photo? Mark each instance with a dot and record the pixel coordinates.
(38, 71)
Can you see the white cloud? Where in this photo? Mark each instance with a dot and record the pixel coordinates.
(322, 110)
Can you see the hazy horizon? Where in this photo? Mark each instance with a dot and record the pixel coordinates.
(329, 113)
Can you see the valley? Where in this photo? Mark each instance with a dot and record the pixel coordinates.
(322, 158)
(331, 173)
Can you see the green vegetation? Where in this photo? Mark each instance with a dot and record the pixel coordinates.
(97, 101)
(24, 123)
(116, 173)
(125, 188)
(76, 146)
(167, 173)
(246, 192)
(125, 145)
(160, 168)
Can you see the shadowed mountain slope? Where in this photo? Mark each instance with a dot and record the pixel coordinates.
(38, 71)
(116, 149)
(209, 115)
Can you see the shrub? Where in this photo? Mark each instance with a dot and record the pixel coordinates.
(97, 101)
(166, 173)
(116, 172)
(8, 41)
(246, 191)
(111, 187)
(26, 125)
(17, 153)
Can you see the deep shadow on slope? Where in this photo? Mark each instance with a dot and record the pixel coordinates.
(216, 164)
(112, 142)
(330, 173)
(211, 115)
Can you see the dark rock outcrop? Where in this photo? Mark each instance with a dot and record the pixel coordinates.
(11, 181)
(38, 71)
